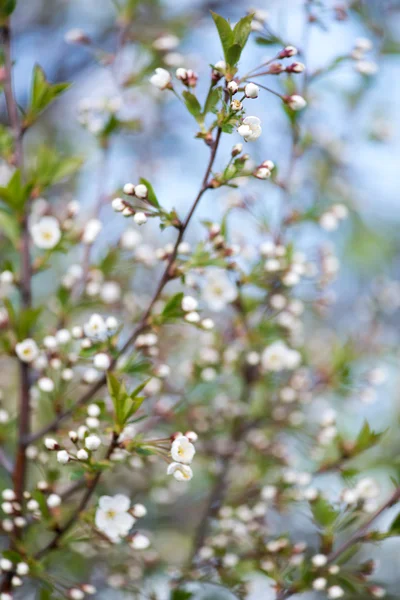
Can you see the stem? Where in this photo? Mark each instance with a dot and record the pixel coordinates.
(356, 537)
(19, 473)
(164, 279)
(220, 487)
(81, 506)
(143, 323)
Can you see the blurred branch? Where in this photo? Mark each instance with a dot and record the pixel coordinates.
(143, 323)
(359, 535)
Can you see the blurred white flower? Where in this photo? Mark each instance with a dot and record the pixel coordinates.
(219, 290)
(140, 542)
(250, 129)
(161, 79)
(46, 233)
(91, 231)
(27, 350)
(251, 90)
(112, 516)
(180, 472)
(182, 450)
(277, 357)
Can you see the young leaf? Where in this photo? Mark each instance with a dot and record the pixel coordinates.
(242, 30)
(7, 7)
(15, 194)
(9, 226)
(366, 438)
(212, 100)
(224, 31)
(151, 195)
(192, 104)
(173, 309)
(42, 94)
(323, 513)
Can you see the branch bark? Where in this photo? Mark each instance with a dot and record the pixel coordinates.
(143, 323)
(356, 537)
(24, 424)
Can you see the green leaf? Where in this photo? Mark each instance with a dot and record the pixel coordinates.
(212, 100)
(42, 94)
(367, 438)
(151, 195)
(233, 54)
(15, 194)
(173, 309)
(6, 142)
(394, 528)
(193, 105)
(9, 226)
(224, 31)
(51, 168)
(26, 319)
(180, 594)
(324, 514)
(125, 405)
(242, 30)
(7, 7)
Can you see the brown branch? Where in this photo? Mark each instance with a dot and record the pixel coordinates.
(358, 536)
(143, 323)
(25, 275)
(92, 484)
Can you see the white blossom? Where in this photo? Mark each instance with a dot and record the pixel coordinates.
(91, 231)
(182, 450)
(53, 501)
(96, 327)
(277, 357)
(27, 350)
(219, 290)
(296, 102)
(112, 516)
(161, 79)
(63, 457)
(180, 472)
(189, 303)
(45, 384)
(46, 233)
(250, 129)
(140, 542)
(319, 584)
(335, 592)
(102, 361)
(92, 442)
(82, 454)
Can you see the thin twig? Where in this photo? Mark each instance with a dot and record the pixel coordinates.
(80, 508)
(356, 537)
(25, 275)
(143, 323)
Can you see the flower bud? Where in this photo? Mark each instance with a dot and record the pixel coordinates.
(236, 105)
(296, 67)
(287, 52)
(295, 102)
(118, 204)
(237, 149)
(129, 189)
(251, 90)
(276, 68)
(140, 218)
(262, 173)
(233, 87)
(141, 191)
